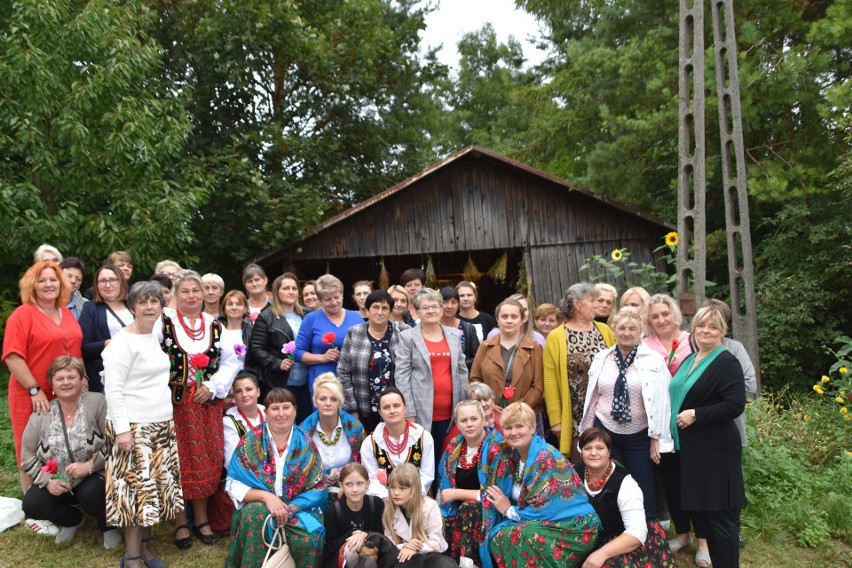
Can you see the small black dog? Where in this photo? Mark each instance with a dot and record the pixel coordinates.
(376, 552)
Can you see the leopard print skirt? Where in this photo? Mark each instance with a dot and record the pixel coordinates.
(143, 485)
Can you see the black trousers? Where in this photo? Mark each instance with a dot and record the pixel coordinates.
(722, 531)
(669, 470)
(64, 511)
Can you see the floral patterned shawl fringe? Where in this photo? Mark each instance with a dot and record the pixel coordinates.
(450, 462)
(303, 481)
(550, 489)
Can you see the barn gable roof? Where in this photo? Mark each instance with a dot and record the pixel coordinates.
(474, 151)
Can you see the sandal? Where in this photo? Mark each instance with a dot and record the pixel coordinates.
(183, 543)
(675, 545)
(126, 558)
(45, 528)
(702, 559)
(152, 562)
(208, 539)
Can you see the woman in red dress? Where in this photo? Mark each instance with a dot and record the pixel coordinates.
(191, 338)
(37, 332)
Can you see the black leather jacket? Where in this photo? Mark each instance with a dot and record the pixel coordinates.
(268, 336)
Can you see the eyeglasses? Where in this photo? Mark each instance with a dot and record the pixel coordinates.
(108, 281)
(430, 308)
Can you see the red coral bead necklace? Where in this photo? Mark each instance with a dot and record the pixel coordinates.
(394, 447)
(193, 334)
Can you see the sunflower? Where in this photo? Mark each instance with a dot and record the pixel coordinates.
(671, 239)
(617, 255)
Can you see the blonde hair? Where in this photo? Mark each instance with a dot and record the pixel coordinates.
(627, 313)
(399, 290)
(328, 284)
(66, 362)
(277, 306)
(639, 291)
(46, 248)
(677, 316)
(604, 287)
(518, 412)
(468, 402)
(163, 264)
(406, 476)
(713, 314)
(330, 382)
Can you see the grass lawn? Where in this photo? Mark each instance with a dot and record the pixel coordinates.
(22, 548)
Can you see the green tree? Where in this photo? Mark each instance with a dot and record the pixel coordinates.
(90, 136)
(482, 97)
(605, 116)
(300, 109)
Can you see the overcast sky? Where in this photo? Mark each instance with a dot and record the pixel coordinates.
(453, 18)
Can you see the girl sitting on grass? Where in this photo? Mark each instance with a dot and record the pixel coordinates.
(413, 522)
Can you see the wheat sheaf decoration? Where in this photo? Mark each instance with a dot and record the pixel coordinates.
(497, 272)
(471, 273)
(384, 276)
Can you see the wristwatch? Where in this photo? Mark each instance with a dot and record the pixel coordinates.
(34, 390)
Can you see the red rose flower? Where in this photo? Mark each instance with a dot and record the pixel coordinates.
(328, 337)
(675, 343)
(199, 360)
(509, 392)
(50, 467)
(587, 537)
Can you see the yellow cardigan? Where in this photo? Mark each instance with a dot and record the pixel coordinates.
(557, 394)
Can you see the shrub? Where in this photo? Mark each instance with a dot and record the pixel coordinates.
(797, 469)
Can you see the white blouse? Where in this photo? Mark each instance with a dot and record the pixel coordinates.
(223, 378)
(427, 462)
(238, 490)
(232, 437)
(631, 506)
(116, 324)
(335, 455)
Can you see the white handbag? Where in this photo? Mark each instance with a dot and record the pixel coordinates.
(278, 551)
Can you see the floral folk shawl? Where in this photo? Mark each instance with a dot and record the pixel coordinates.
(550, 489)
(303, 483)
(352, 429)
(450, 462)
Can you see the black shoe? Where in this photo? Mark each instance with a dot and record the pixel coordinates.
(742, 542)
(208, 539)
(183, 543)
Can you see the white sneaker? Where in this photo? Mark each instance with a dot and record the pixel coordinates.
(112, 539)
(67, 533)
(42, 527)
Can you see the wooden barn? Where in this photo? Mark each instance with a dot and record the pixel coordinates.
(475, 211)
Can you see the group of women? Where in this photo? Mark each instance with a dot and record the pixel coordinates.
(427, 399)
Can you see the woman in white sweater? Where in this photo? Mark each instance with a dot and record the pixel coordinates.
(142, 469)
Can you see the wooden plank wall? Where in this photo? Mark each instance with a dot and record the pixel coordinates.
(476, 204)
(556, 267)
